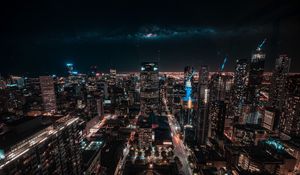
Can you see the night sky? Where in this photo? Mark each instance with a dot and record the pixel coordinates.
(39, 37)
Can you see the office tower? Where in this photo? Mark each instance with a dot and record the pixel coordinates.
(219, 95)
(257, 64)
(18, 81)
(188, 83)
(70, 68)
(217, 112)
(290, 120)
(291, 124)
(202, 125)
(149, 87)
(112, 76)
(189, 74)
(271, 119)
(278, 86)
(220, 86)
(48, 93)
(53, 150)
(187, 100)
(241, 77)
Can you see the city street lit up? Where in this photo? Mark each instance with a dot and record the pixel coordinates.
(150, 87)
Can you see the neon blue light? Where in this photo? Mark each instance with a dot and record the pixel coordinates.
(11, 85)
(155, 68)
(69, 64)
(142, 68)
(188, 88)
(275, 144)
(262, 43)
(74, 72)
(188, 93)
(223, 65)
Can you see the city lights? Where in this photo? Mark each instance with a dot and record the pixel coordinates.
(170, 88)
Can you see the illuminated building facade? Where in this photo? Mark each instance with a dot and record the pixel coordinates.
(53, 150)
(248, 134)
(70, 68)
(202, 125)
(219, 94)
(291, 118)
(112, 77)
(149, 91)
(257, 65)
(217, 118)
(279, 78)
(188, 83)
(271, 119)
(48, 93)
(241, 77)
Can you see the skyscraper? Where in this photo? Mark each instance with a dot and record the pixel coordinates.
(278, 87)
(48, 93)
(70, 68)
(149, 79)
(53, 150)
(241, 77)
(257, 64)
(112, 77)
(290, 120)
(202, 125)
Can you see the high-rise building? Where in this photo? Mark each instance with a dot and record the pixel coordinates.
(278, 90)
(217, 112)
(188, 83)
(291, 117)
(70, 68)
(48, 93)
(241, 77)
(290, 120)
(112, 76)
(219, 95)
(149, 79)
(202, 125)
(53, 150)
(270, 119)
(257, 64)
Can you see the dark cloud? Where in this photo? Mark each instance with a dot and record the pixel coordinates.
(154, 33)
(40, 36)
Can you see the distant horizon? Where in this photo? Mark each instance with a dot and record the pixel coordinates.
(132, 72)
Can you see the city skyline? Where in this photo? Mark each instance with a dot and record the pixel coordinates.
(150, 87)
